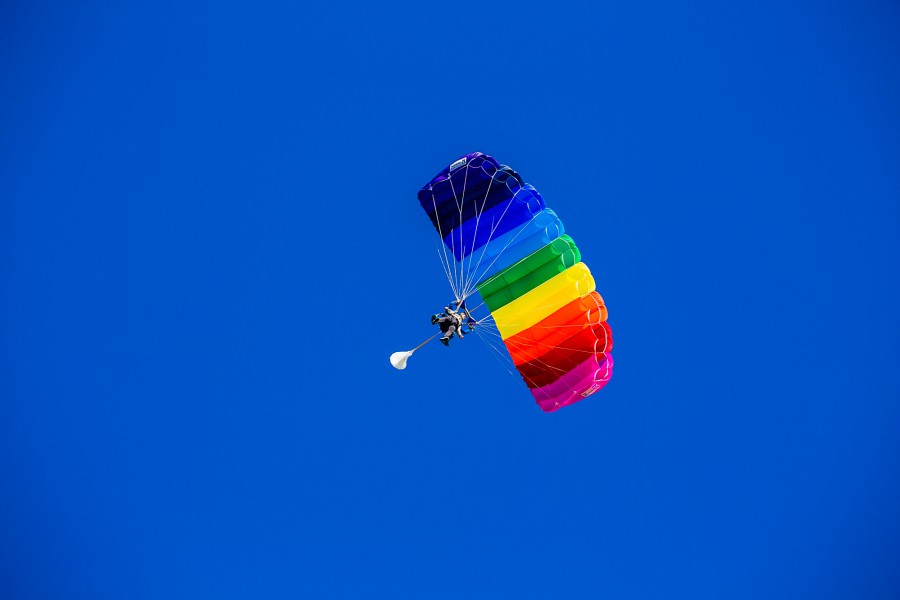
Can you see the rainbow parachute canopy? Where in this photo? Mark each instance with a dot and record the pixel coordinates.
(502, 243)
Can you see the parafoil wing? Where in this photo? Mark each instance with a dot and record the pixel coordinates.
(499, 241)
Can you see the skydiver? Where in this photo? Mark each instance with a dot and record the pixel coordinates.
(452, 320)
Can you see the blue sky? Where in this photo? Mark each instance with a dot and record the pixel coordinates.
(210, 243)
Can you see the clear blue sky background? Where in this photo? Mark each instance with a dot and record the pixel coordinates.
(201, 206)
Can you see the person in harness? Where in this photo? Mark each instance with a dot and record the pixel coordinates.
(451, 321)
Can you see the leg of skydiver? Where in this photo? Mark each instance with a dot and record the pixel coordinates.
(448, 334)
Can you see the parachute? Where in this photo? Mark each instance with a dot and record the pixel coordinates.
(500, 242)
